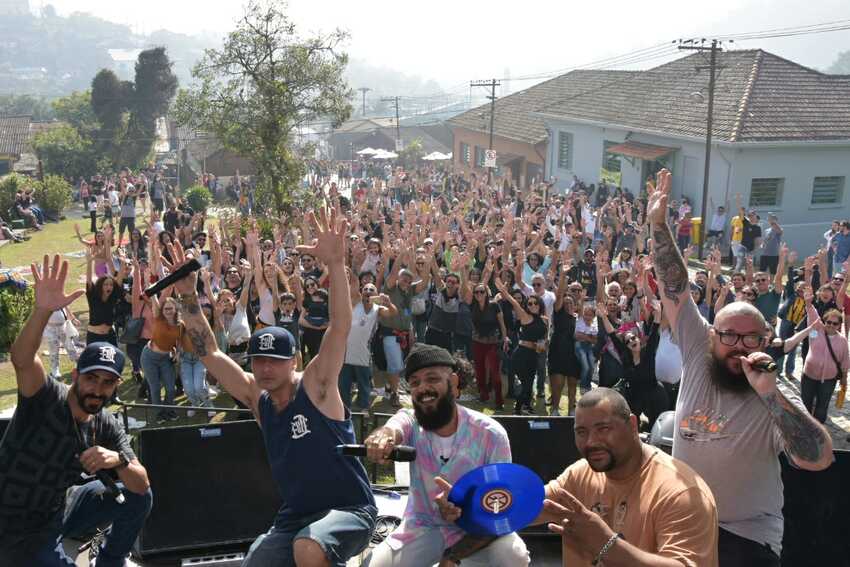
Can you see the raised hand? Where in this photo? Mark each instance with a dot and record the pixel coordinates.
(331, 230)
(656, 209)
(449, 511)
(189, 284)
(49, 284)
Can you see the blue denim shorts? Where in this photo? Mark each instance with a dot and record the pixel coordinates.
(341, 533)
(393, 354)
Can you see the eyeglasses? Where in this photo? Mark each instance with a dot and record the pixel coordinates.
(480, 292)
(730, 338)
(832, 323)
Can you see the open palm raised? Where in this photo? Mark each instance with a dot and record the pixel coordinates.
(331, 230)
(49, 284)
(656, 207)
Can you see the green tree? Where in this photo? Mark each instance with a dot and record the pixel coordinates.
(412, 154)
(110, 101)
(76, 110)
(53, 194)
(265, 81)
(35, 106)
(65, 152)
(841, 65)
(153, 91)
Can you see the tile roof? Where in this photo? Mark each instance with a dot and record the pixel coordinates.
(14, 134)
(758, 97)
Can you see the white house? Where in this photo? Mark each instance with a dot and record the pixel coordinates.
(781, 135)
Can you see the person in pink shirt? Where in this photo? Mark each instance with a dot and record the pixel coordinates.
(450, 440)
(826, 363)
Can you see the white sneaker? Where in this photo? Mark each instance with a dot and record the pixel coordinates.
(190, 413)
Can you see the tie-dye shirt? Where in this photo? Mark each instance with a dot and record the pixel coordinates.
(479, 440)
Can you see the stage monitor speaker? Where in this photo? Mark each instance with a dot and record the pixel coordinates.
(817, 513)
(212, 487)
(546, 445)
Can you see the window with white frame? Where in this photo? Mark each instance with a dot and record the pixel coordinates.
(766, 191)
(828, 190)
(480, 155)
(565, 150)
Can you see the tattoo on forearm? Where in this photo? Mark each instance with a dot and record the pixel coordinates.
(669, 263)
(804, 437)
(199, 341)
(469, 545)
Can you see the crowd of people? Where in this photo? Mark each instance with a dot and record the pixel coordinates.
(547, 294)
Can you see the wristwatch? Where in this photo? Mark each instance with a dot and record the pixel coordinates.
(122, 461)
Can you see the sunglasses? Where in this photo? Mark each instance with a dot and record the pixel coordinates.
(480, 292)
(537, 284)
(832, 323)
(837, 279)
(533, 303)
(759, 280)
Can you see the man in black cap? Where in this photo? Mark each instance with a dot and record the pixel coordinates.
(328, 511)
(450, 440)
(57, 433)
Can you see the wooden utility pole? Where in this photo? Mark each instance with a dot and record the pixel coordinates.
(712, 68)
(492, 83)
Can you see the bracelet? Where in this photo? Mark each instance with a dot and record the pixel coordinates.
(608, 545)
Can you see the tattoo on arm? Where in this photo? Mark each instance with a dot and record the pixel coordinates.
(469, 545)
(199, 341)
(671, 267)
(804, 437)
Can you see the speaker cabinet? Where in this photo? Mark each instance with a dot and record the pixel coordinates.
(211, 484)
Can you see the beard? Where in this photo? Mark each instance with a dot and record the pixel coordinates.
(88, 403)
(726, 379)
(600, 467)
(438, 417)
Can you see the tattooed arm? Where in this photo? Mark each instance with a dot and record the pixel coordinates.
(807, 442)
(237, 383)
(669, 265)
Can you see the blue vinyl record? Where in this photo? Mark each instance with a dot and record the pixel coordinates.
(497, 499)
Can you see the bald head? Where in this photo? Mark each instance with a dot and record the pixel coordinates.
(738, 310)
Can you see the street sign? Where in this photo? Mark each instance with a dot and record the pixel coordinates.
(489, 158)
(399, 145)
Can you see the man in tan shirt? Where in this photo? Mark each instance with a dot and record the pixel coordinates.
(627, 504)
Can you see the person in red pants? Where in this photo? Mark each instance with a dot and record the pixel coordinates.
(488, 337)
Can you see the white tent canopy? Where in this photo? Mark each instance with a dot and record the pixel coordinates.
(367, 152)
(383, 154)
(437, 156)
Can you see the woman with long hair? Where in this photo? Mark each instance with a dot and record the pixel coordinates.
(141, 308)
(159, 354)
(100, 249)
(532, 332)
(488, 337)
(315, 318)
(102, 296)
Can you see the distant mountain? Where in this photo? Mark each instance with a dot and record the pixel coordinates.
(53, 55)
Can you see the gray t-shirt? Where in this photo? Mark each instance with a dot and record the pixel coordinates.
(729, 439)
(772, 239)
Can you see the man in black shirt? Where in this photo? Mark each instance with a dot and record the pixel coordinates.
(56, 434)
(752, 231)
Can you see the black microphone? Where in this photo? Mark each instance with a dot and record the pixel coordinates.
(768, 366)
(111, 488)
(191, 266)
(400, 453)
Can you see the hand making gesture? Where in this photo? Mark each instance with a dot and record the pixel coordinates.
(49, 284)
(330, 230)
(656, 208)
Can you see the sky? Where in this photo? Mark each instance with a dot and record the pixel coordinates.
(455, 41)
